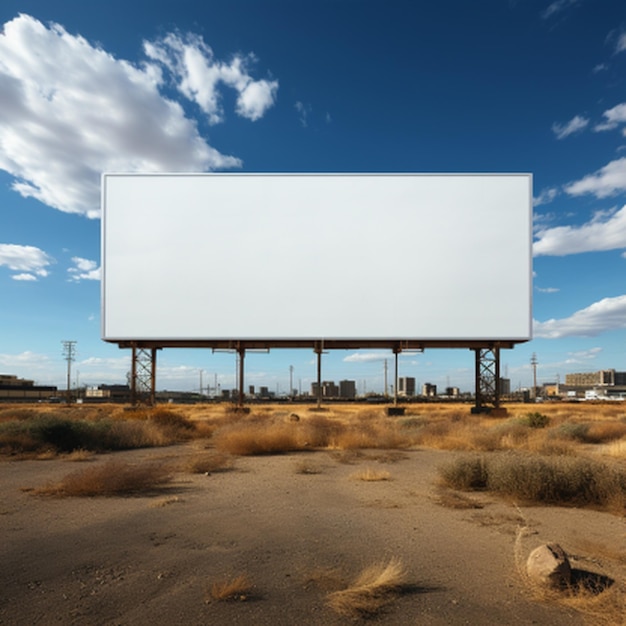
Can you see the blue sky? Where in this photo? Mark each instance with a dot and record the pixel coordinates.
(300, 86)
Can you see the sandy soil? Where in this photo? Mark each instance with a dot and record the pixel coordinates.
(152, 559)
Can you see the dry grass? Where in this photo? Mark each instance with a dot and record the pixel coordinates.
(372, 591)
(553, 429)
(208, 463)
(112, 478)
(564, 481)
(234, 588)
(370, 474)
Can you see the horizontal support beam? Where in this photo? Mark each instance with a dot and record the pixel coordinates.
(397, 345)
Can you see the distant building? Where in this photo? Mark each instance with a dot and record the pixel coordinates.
(329, 389)
(347, 389)
(429, 390)
(13, 388)
(406, 386)
(453, 392)
(588, 379)
(114, 393)
(505, 386)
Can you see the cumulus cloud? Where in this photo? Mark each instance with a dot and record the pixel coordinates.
(70, 110)
(546, 196)
(607, 181)
(84, 269)
(607, 314)
(197, 75)
(30, 262)
(605, 231)
(575, 125)
(613, 118)
(620, 44)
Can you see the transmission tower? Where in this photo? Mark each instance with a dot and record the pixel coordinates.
(69, 354)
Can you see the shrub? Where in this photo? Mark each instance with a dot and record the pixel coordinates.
(236, 588)
(465, 474)
(535, 420)
(46, 432)
(371, 475)
(569, 481)
(110, 479)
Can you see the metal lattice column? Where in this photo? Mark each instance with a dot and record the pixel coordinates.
(487, 379)
(143, 376)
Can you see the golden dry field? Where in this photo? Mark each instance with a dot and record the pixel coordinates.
(290, 515)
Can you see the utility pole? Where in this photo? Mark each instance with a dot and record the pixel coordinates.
(69, 353)
(385, 370)
(533, 362)
(291, 380)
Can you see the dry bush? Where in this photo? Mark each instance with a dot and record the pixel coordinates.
(604, 432)
(371, 475)
(112, 478)
(18, 413)
(306, 467)
(254, 438)
(208, 463)
(565, 481)
(173, 425)
(617, 449)
(372, 591)
(234, 588)
(373, 433)
(80, 455)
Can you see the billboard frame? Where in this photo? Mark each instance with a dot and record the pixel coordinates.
(487, 350)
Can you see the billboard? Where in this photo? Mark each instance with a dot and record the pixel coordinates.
(197, 257)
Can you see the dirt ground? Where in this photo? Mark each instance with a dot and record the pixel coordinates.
(152, 559)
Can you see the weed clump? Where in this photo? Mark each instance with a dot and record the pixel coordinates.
(563, 481)
(113, 478)
(371, 592)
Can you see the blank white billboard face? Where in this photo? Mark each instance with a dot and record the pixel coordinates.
(239, 256)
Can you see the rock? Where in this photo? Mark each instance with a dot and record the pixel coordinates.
(549, 566)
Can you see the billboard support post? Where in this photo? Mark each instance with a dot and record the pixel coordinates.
(242, 353)
(142, 375)
(487, 373)
(319, 349)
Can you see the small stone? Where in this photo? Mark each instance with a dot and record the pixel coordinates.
(549, 566)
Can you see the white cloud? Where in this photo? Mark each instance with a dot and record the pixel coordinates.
(583, 355)
(547, 289)
(367, 357)
(605, 231)
(620, 45)
(614, 117)
(25, 277)
(558, 6)
(29, 261)
(607, 181)
(576, 124)
(84, 269)
(303, 113)
(607, 314)
(70, 110)
(197, 74)
(546, 196)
